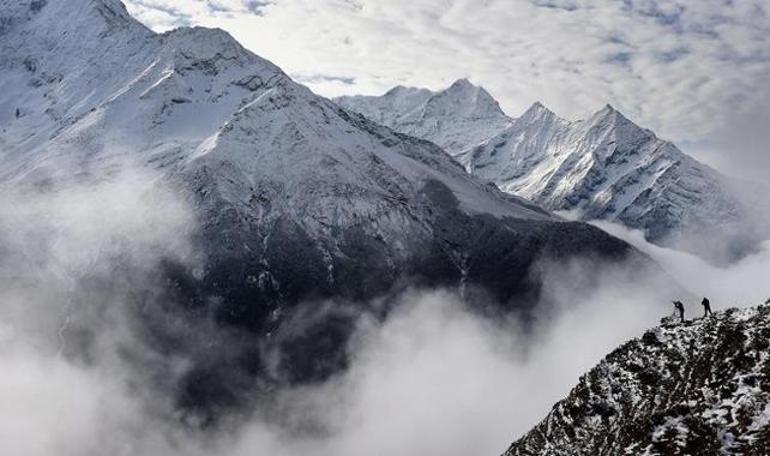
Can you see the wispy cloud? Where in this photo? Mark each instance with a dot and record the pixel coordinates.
(167, 14)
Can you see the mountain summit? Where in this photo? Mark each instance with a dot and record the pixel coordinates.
(457, 118)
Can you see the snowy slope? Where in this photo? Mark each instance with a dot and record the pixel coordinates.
(609, 168)
(696, 389)
(602, 168)
(297, 199)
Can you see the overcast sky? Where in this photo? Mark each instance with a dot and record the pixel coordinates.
(696, 71)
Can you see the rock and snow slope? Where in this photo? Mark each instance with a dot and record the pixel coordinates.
(297, 199)
(698, 389)
(604, 168)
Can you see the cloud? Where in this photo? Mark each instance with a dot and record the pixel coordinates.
(323, 82)
(691, 71)
(71, 262)
(739, 284)
(163, 15)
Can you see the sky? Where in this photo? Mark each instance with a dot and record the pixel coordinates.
(695, 72)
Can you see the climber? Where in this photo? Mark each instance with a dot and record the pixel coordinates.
(680, 307)
(706, 308)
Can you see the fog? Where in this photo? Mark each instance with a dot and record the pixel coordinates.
(434, 378)
(740, 284)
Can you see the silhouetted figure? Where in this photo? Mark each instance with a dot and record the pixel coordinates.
(706, 308)
(680, 307)
(18, 113)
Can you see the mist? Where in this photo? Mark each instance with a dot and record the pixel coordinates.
(433, 378)
(740, 284)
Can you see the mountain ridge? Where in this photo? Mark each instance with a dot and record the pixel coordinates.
(456, 118)
(603, 168)
(699, 388)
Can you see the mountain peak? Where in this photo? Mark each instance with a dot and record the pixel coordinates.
(464, 87)
(401, 90)
(462, 84)
(470, 97)
(609, 115)
(396, 90)
(537, 109)
(456, 118)
(205, 41)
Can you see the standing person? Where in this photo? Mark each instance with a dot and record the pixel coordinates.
(680, 307)
(706, 308)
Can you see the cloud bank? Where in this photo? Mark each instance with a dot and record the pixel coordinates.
(80, 378)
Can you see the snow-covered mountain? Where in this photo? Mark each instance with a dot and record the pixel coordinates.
(298, 200)
(458, 118)
(602, 168)
(701, 388)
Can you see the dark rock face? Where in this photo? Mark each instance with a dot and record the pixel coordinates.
(293, 304)
(698, 389)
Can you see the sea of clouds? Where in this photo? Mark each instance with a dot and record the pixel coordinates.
(433, 378)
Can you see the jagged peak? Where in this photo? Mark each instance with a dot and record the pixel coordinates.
(471, 96)
(537, 109)
(609, 116)
(464, 87)
(537, 113)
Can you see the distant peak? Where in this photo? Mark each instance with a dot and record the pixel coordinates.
(610, 118)
(608, 107)
(609, 113)
(400, 89)
(465, 88)
(462, 84)
(538, 107)
(396, 89)
(537, 110)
